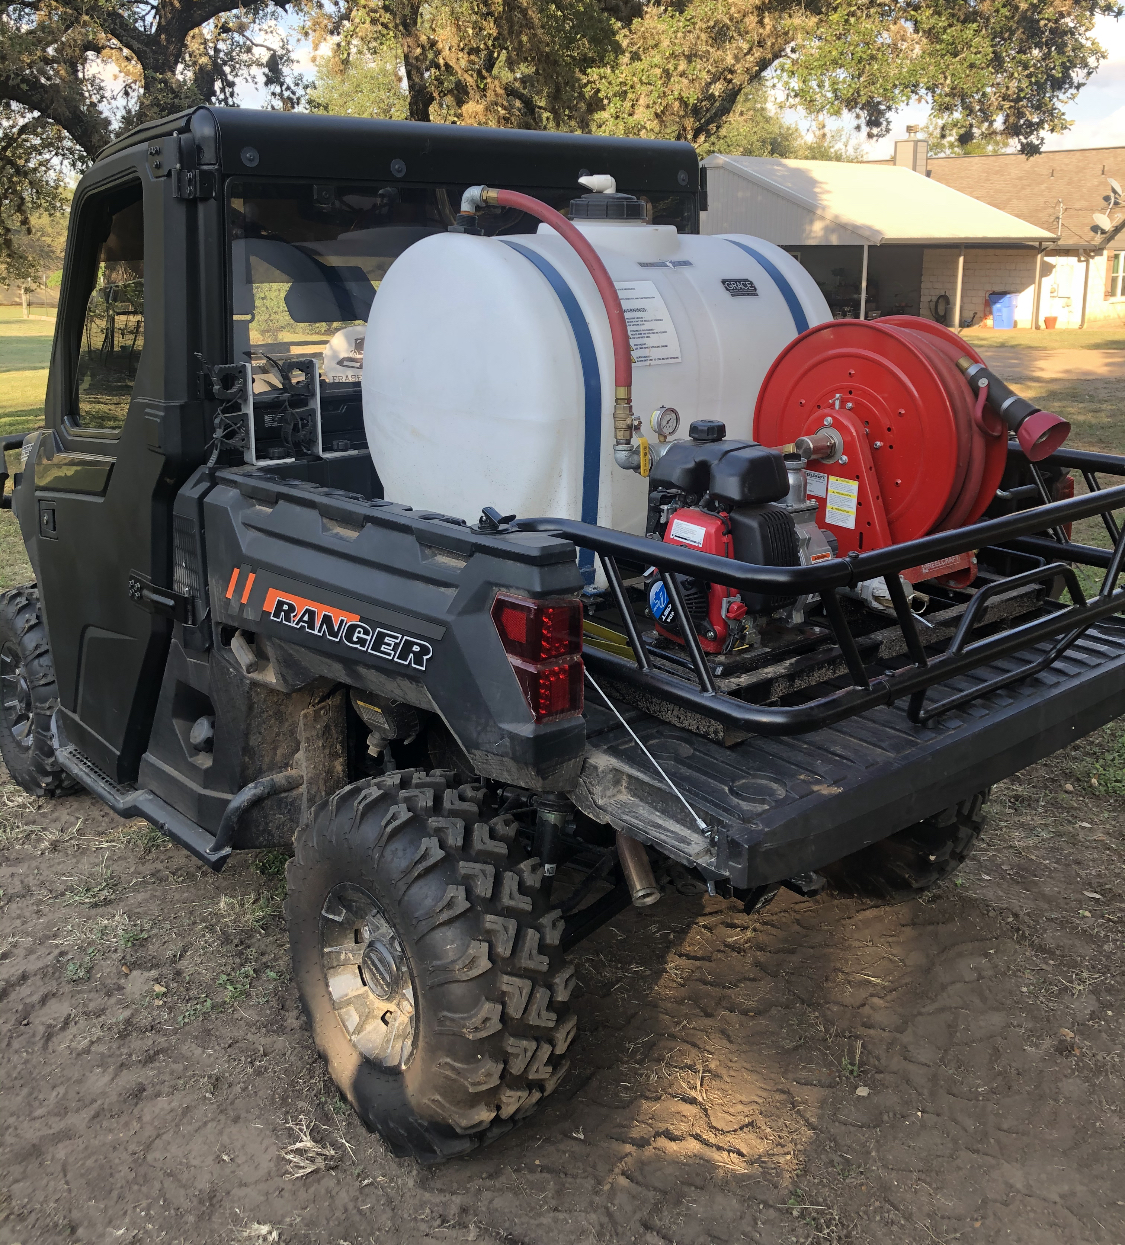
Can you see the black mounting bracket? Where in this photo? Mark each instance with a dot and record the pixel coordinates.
(163, 601)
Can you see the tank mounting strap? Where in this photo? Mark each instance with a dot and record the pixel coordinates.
(592, 395)
(800, 320)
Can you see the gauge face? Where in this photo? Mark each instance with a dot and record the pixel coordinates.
(665, 420)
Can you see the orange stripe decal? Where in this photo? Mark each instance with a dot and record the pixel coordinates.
(246, 590)
(233, 580)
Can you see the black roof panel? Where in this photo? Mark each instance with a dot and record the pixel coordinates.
(356, 148)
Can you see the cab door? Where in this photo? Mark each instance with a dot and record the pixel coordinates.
(102, 489)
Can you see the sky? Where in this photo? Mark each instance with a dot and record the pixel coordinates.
(1098, 113)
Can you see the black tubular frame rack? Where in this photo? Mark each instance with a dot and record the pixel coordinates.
(1038, 531)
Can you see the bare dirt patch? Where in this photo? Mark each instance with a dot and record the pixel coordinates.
(830, 1071)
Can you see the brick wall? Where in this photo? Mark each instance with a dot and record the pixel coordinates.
(1000, 271)
(1014, 272)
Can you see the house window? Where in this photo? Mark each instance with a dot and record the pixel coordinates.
(1117, 276)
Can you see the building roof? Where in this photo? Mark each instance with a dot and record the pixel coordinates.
(1032, 187)
(878, 203)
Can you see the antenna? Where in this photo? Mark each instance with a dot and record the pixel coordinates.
(1103, 222)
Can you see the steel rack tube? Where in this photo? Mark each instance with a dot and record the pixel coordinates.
(839, 572)
(980, 535)
(783, 579)
(883, 690)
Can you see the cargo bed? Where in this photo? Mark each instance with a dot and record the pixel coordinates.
(782, 806)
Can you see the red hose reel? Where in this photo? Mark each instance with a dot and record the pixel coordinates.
(915, 452)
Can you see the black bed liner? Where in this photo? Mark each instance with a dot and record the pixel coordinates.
(778, 807)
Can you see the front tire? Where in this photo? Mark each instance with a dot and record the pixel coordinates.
(428, 963)
(29, 696)
(916, 858)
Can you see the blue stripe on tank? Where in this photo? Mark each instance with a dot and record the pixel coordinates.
(800, 320)
(592, 392)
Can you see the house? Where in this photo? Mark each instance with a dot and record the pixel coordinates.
(1074, 195)
(878, 238)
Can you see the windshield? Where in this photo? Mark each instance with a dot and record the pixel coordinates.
(307, 260)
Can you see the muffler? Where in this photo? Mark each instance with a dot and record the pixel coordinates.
(638, 871)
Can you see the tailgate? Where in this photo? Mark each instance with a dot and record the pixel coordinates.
(778, 806)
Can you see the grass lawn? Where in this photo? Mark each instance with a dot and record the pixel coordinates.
(1047, 339)
(25, 354)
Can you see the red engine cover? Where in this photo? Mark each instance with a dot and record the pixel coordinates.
(708, 533)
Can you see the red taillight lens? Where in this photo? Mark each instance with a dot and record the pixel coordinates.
(543, 640)
(538, 630)
(551, 691)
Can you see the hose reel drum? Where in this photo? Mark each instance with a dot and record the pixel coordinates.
(901, 437)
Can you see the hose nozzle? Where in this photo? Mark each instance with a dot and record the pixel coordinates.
(1038, 432)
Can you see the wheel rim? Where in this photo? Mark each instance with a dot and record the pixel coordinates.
(368, 975)
(15, 694)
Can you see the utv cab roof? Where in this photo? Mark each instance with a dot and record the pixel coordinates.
(310, 145)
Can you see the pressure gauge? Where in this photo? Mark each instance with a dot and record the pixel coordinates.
(665, 420)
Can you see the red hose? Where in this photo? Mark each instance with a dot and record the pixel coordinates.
(971, 437)
(619, 330)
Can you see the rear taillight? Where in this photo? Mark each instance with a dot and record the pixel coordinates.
(543, 640)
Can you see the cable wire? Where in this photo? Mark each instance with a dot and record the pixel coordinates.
(700, 823)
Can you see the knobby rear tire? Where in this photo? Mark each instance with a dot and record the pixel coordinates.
(490, 985)
(914, 859)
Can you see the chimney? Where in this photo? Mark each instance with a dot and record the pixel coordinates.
(912, 153)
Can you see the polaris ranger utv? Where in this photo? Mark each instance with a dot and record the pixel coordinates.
(750, 660)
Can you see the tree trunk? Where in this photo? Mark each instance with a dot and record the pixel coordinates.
(418, 93)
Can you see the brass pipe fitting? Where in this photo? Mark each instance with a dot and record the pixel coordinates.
(623, 415)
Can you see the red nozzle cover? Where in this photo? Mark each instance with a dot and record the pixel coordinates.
(1041, 434)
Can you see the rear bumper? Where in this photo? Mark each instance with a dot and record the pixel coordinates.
(781, 806)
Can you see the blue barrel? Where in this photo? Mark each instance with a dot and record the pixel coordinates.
(1003, 310)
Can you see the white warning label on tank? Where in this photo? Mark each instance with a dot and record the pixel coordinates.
(816, 483)
(652, 335)
(841, 502)
(689, 533)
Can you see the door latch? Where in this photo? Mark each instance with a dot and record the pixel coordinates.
(156, 600)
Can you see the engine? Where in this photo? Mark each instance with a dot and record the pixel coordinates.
(734, 499)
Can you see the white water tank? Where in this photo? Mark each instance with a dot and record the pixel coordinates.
(488, 368)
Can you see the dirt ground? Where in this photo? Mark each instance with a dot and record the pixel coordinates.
(831, 1071)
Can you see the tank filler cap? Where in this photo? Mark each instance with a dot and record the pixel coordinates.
(707, 430)
(604, 203)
